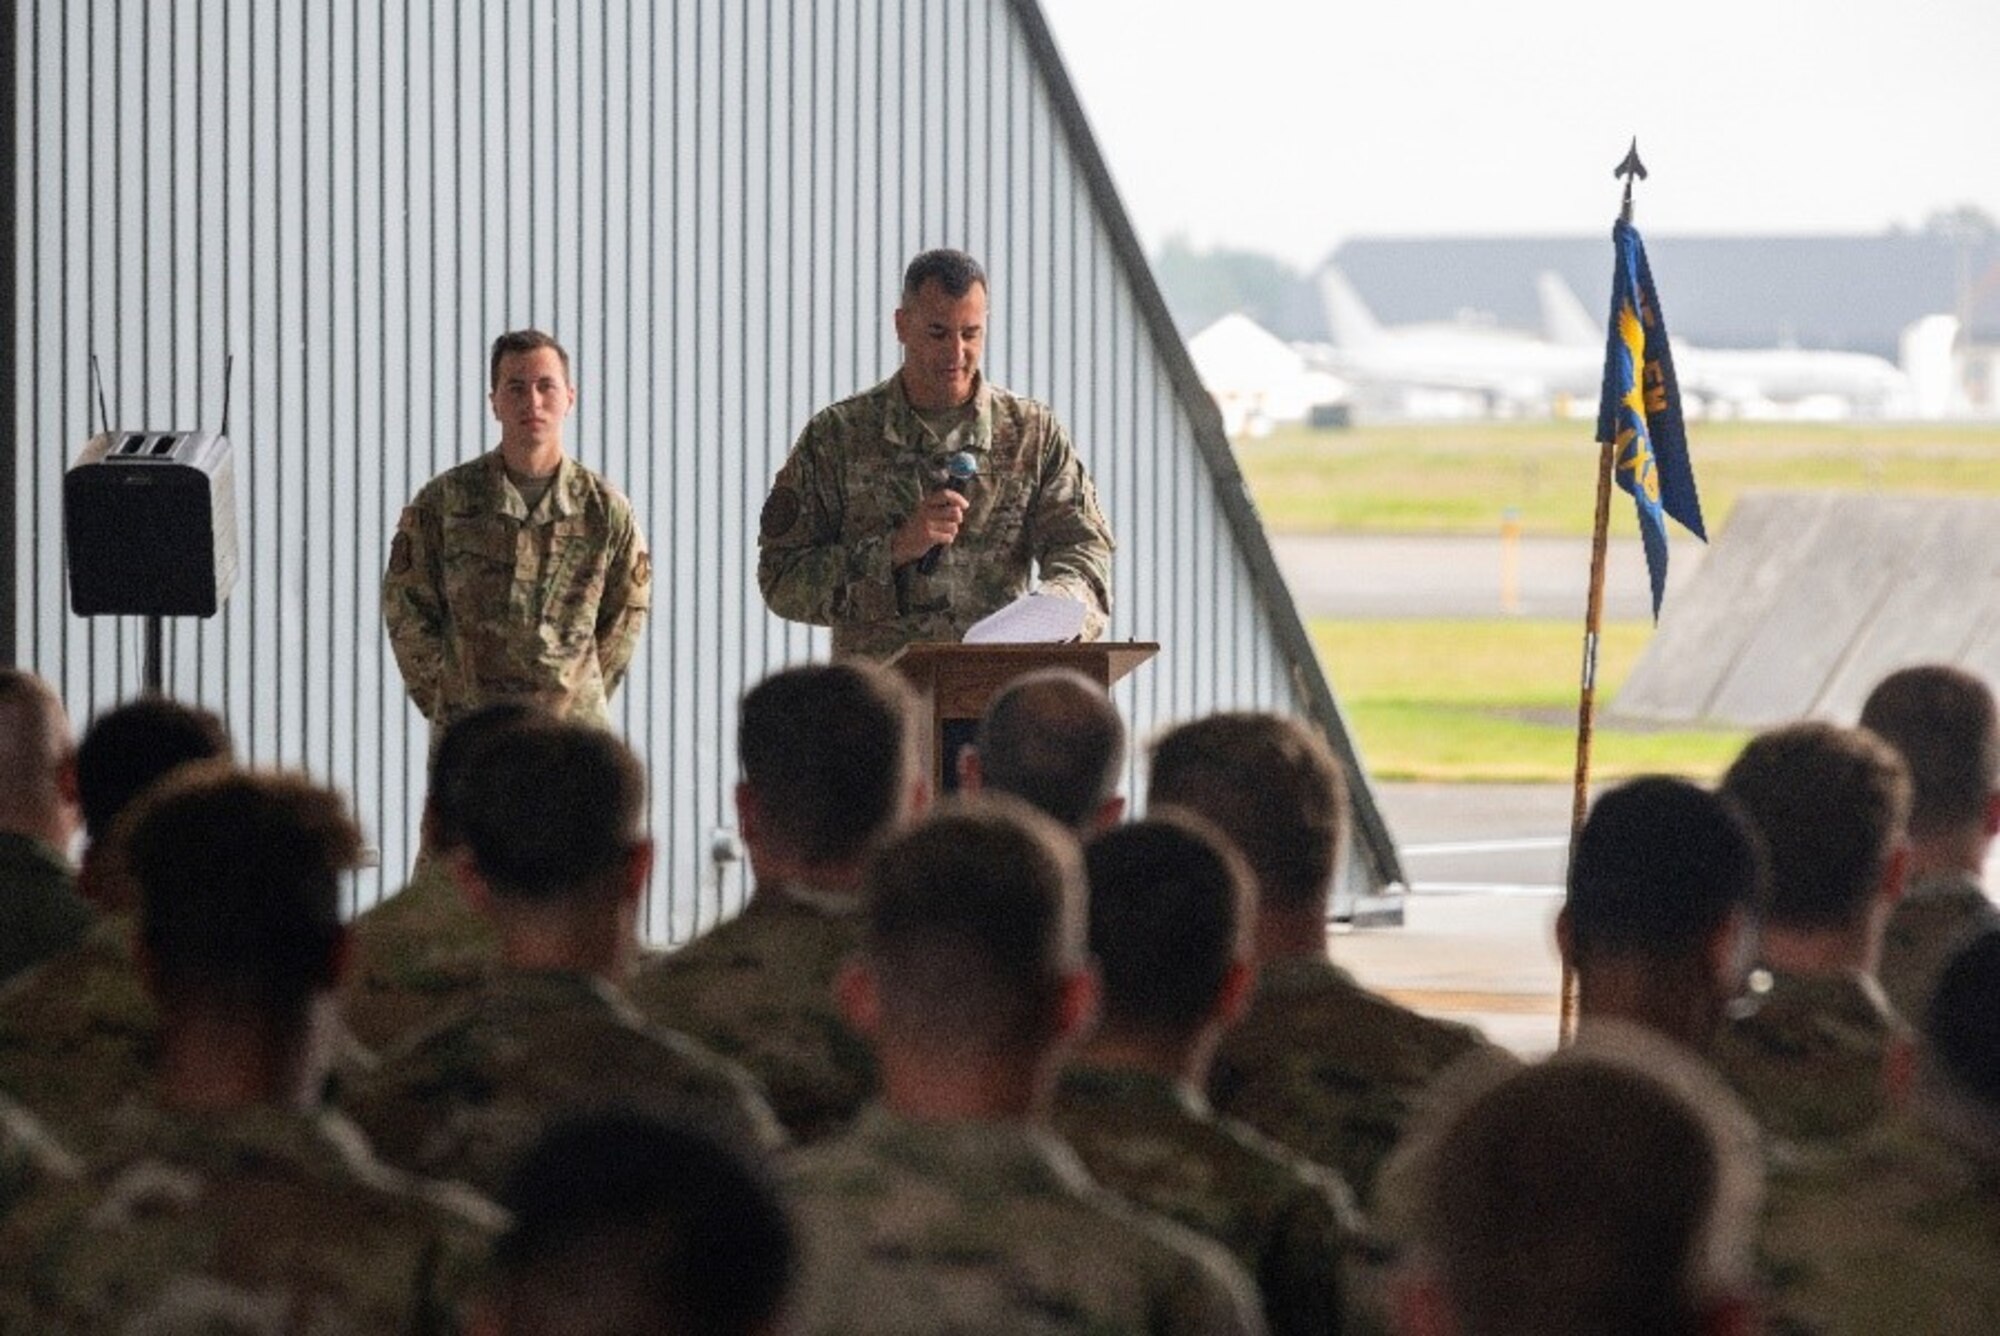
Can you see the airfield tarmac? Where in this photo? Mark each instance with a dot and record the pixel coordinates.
(1363, 576)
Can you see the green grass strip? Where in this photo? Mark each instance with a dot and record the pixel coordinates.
(1496, 700)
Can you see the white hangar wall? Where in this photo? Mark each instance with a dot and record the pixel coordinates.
(709, 202)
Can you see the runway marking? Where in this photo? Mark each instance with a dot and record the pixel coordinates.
(1486, 846)
(1462, 1001)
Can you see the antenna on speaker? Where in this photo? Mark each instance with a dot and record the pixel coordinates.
(228, 374)
(103, 408)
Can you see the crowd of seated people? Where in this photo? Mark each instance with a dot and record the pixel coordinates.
(1011, 1061)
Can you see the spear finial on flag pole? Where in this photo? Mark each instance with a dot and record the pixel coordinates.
(1629, 169)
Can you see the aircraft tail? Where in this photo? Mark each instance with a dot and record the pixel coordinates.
(1352, 324)
(1564, 321)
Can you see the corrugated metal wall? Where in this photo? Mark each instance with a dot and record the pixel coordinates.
(709, 201)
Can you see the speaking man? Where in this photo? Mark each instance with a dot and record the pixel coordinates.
(861, 532)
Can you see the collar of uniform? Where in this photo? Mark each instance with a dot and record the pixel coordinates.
(832, 904)
(559, 502)
(1092, 1085)
(901, 428)
(431, 884)
(1290, 975)
(1849, 995)
(1024, 1156)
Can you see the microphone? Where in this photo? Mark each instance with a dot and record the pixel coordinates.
(959, 471)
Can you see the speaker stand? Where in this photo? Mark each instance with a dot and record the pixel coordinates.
(155, 681)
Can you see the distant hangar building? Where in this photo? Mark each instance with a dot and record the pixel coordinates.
(1855, 293)
(710, 202)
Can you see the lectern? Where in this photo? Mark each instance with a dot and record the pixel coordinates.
(957, 681)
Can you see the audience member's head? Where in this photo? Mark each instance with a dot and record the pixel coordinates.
(38, 798)
(622, 1223)
(1054, 739)
(1659, 884)
(452, 763)
(1272, 786)
(1171, 913)
(1943, 723)
(974, 949)
(553, 819)
(131, 746)
(1581, 1195)
(1961, 1047)
(239, 882)
(830, 765)
(1832, 805)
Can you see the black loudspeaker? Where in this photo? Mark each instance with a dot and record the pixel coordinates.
(149, 522)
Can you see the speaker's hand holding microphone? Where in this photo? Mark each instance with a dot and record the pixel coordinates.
(936, 523)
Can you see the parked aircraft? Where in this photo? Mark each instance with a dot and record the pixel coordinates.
(1740, 380)
(1508, 370)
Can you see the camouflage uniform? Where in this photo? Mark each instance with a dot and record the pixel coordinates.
(1330, 1070)
(261, 1220)
(991, 1227)
(1809, 1054)
(79, 1033)
(40, 911)
(1886, 1231)
(759, 991)
(29, 1157)
(1934, 918)
(486, 601)
(858, 472)
(1292, 1224)
(417, 955)
(463, 1100)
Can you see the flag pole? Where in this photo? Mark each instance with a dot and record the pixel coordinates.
(1593, 620)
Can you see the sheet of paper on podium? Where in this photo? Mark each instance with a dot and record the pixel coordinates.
(1032, 619)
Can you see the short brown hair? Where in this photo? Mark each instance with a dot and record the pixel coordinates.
(453, 762)
(550, 808)
(132, 746)
(239, 877)
(975, 914)
(1272, 786)
(1659, 866)
(829, 749)
(1170, 912)
(1831, 804)
(1942, 721)
(517, 341)
(953, 270)
(1578, 1195)
(665, 1228)
(1054, 738)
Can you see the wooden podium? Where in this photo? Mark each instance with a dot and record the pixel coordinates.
(957, 681)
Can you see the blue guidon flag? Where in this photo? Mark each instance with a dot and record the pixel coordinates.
(1640, 411)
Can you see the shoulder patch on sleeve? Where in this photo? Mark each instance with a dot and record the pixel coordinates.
(642, 570)
(781, 512)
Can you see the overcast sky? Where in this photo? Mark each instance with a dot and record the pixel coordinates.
(1289, 125)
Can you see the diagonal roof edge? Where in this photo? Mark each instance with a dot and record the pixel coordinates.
(1308, 678)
